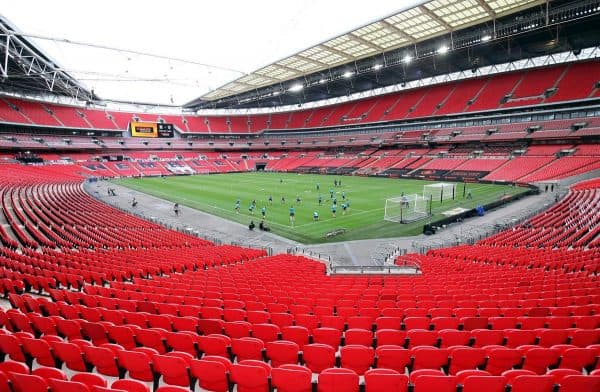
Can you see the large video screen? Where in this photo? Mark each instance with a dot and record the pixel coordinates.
(152, 130)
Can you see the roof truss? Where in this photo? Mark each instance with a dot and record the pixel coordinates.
(405, 28)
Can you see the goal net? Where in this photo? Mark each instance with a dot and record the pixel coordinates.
(439, 191)
(406, 209)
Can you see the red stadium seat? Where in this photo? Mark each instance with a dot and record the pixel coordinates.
(318, 357)
(251, 376)
(385, 380)
(338, 380)
(247, 348)
(282, 352)
(291, 378)
(212, 373)
(357, 358)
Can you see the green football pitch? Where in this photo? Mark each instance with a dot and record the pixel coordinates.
(217, 194)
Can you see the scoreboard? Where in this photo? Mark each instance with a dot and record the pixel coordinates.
(151, 129)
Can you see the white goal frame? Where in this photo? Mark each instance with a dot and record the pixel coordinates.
(439, 191)
(405, 209)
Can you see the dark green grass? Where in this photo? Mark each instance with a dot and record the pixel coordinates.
(216, 194)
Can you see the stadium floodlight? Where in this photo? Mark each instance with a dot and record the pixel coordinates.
(486, 38)
(322, 81)
(348, 74)
(377, 67)
(296, 87)
(443, 49)
(276, 93)
(407, 59)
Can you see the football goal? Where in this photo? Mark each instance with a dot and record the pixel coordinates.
(439, 191)
(405, 209)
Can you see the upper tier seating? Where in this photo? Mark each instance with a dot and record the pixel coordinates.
(521, 88)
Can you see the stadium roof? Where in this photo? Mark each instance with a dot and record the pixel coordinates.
(407, 27)
(170, 53)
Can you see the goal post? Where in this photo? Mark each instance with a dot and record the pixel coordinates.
(405, 209)
(439, 191)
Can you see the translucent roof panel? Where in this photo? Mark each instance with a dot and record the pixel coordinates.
(418, 23)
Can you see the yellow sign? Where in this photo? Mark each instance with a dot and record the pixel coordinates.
(143, 129)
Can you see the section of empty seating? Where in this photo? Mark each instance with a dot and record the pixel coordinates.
(578, 82)
(520, 88)
(572, 222)
(530, 90)
(518, 167)
(164, 308)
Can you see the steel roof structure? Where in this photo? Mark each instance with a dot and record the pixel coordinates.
(408, 27)
(24, 67)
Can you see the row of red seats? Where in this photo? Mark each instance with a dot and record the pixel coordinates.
(405, 319)
(221, 376)
(16, 377)
(127, 327)
(114, 360)
(181, 368)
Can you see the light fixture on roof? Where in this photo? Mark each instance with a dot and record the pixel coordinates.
(377, 67)
(486, 38)
(296, 87)
(348, 74)
(442, 49)
(276, 93)
(322, 81)
(407, 59)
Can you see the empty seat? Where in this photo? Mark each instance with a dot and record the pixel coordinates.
(484, 383)
(329, 336)
(103, 359)
(357, 358)
(251, 376)
(426, 357)
(421, 337)
(577, 383)
(359, 336)
(247, 348)
(530, 383)
(89, 379)
(452, 337)
(265, 332)
(318, 356)
(539, 359)
(464, 358)
(28, 383)
(393, 357)
(130, 386)
(282, 352)
(174, 368)
(49, 372)
(215, 344)
(297, 334)
(338, 380)
(183, 341)
(137, 363)
(211, 373)
(501, 359)
(67, 386)
(385, 380)
(390, 336)
(291, 378)
(430, 383)
(577, 358)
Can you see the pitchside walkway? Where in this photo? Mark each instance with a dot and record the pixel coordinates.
(360, 252)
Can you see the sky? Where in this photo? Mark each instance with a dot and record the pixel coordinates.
(231, 37)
